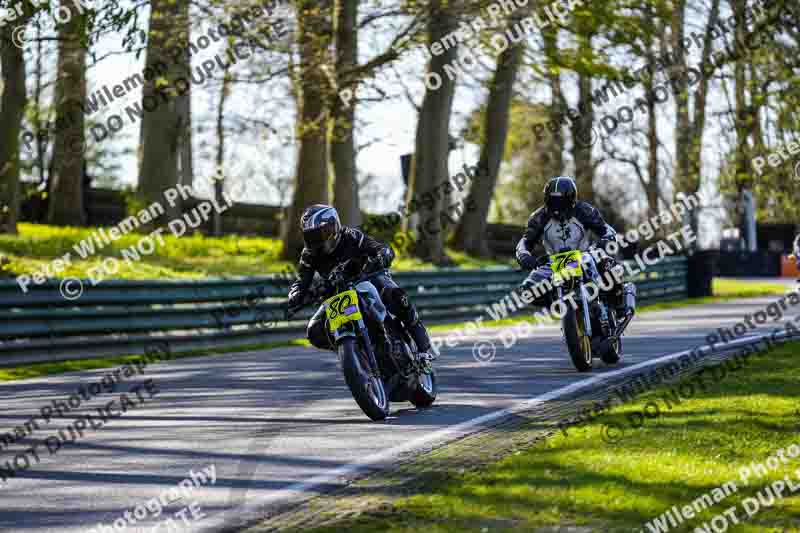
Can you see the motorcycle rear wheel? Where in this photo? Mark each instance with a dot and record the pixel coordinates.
(578, 344)
(367, 390)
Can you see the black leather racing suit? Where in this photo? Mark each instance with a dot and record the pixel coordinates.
(584, 225)
(356, 245)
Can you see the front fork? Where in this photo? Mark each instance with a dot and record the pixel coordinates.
(373, 361)
(584, 308)
(374, 369)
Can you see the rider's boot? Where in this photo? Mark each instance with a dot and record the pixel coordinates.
(421, 339)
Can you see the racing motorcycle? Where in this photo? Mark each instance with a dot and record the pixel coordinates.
(593, 327)
(376, 373)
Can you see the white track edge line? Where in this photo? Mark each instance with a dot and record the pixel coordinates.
(463, 428)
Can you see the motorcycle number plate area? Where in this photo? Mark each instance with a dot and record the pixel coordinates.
(341, 309)
(567, 264)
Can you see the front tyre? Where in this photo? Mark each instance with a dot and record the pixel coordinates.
(610, 352)
(367, 390)
(578, 344)
(427, 389)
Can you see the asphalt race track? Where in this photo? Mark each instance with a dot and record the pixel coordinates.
(277, 425)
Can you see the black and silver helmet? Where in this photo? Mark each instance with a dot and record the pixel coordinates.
(560, 197)
(321, 228)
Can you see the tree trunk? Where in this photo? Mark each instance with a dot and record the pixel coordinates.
(471, 233)
(311, 177)
(65, 207)
(186, 165)
(163, 131)
(743, 118)
(429, 166)
(581, 128)
(652, 188)
(690, 128)
(12, 107)
(695, 140)
(558, 104)
(219, 175)
(38, 120)
(343, 151)
(684, 181)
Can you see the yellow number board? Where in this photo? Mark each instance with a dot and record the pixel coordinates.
(341, 309)
(561, 264)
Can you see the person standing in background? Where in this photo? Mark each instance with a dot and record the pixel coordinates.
(796, 250)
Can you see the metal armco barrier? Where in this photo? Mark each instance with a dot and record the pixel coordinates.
(121, 315)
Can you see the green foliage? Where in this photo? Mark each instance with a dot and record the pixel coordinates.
(523, 115)
(776, 190)
(529, 161)
(133, 203)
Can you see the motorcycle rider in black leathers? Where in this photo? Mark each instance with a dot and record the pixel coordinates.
(562, 224)
(329, 244)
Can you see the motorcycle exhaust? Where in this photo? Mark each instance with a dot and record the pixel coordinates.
(629, 300)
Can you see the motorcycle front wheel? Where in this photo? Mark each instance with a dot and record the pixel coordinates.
(610, 350)
(367, 389)
(427, 389)
(578, 343)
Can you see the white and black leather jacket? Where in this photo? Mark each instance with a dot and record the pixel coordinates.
(586, 225)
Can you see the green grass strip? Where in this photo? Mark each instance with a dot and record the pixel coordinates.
(580, 482)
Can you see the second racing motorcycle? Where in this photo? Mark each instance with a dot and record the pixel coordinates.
(594, 326)
(379, 366)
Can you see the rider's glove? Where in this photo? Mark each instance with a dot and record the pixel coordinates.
(606, 264)
(602, 244)
(351, 268)
(370, 264)
(295, 297)
(373, 264)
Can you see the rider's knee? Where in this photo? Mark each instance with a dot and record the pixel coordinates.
(398, 302)
(397, 298)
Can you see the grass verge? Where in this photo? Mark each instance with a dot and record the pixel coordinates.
(731, 288)
(581, 483)
(190, 257)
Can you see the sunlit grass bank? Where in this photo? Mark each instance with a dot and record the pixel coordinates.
(582, 482)
(196, 256)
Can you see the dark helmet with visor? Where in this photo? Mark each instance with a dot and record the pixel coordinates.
(560, 197)
(321, 228)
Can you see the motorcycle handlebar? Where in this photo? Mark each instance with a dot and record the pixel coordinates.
(334, 279)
